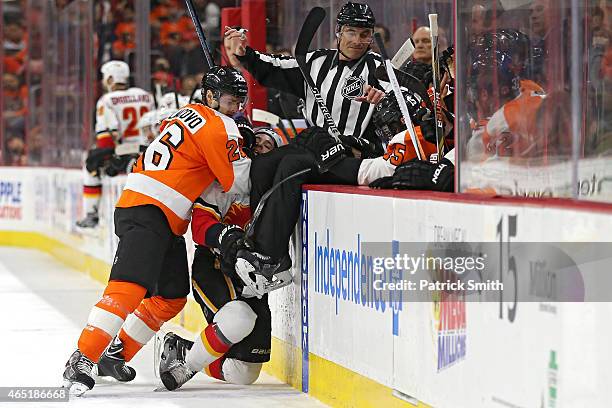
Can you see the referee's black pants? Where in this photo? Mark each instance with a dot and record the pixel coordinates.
(282, 209)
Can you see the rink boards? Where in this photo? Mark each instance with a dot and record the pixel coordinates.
(349, 352)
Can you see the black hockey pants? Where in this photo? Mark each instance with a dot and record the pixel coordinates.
(282, 209)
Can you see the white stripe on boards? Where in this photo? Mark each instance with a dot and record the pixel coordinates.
(175, 201)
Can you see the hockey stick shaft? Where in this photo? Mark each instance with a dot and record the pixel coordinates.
(311, 24)
(433, 27)
(280, 103)
(200, 33)
(400, 98)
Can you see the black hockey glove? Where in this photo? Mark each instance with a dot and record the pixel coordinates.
(120, 164)
(367, 148)
(246, 131)
(230, 240)
(423, 175)
(322, 145)
(96, 158)
(383, 182)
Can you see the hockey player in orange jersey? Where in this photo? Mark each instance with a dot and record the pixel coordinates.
(198, 146)
(504, 118)
(117, 115)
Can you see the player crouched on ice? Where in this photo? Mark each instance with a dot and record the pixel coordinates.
(149, 280)
(117, 115)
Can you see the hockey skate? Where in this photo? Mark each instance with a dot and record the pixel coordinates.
(90, 221)
(77, 375)
(173, 369)
(261, 274)
(113, 364)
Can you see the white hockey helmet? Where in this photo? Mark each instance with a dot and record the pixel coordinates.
(148, 126)
(276, 138)
(119, 70)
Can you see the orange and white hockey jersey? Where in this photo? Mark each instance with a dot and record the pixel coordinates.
(197, 146)
(399, 150)
(118, 112)
(508, 130)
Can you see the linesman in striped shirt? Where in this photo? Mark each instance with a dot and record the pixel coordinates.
(345, 76)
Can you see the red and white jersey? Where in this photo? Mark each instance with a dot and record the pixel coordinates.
(399, 150)
(118, 112)
(215, 207)
(197, 147)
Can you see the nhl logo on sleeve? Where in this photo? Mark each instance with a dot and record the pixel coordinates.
(353, 87)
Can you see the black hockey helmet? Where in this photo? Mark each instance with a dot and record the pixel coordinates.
(355, 15)
(388, 118)
(224, 80)
(508, 41)
(493, 69)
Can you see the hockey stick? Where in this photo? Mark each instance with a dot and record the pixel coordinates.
(200, 33)
(399, 97)
(311, 24)
(408, 81)
(280, 103)
(250, 229)
(403, 54)
(433, 27)
(271, 119)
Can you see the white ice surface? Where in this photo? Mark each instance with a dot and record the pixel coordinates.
(44, 306)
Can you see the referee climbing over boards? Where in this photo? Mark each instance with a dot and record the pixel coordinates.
(344, 76)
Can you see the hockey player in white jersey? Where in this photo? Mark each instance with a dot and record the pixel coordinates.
(117, 115)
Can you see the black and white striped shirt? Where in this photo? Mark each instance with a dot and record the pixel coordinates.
(339, 82)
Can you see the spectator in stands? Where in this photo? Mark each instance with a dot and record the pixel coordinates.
(192, 60)
(125, 43)
(420, 63)
(14, 154)
(14, 37)
(162, 75)
(188, 84)
(14, 97)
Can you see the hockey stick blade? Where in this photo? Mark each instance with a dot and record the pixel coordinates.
(403, 54)
(311, 24)
(260, 115)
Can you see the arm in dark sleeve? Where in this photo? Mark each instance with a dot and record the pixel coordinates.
(279, 72)
(370, 135)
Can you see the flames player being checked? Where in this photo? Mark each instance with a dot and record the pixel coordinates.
(149, 281)
(117, 115)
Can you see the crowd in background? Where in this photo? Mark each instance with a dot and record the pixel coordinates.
(177, 62)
